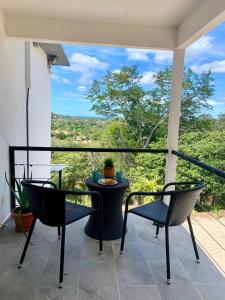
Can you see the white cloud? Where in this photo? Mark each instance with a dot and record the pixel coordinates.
(212, 102)
(55, 77)
(137, 54)
(217, 102)
(116, 71)
(81, 88)
(217, 66)
(85, 65)
(201, 46)
(59, 79)
(70, 94)
(218, 105)
(160, 56)
(148, 78)
(66, 81)
(80, 61)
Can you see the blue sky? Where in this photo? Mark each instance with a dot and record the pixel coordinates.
(70, 84)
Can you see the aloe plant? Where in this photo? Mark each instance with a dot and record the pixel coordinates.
(19, 195)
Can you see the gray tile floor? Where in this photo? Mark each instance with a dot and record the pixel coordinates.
(139, 274)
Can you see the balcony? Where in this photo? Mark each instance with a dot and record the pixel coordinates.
(138, 274)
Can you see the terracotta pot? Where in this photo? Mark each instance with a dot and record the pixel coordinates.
(109, 172)
(22, 221)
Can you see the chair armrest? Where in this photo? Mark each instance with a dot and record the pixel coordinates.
(43, 182)
(146, 194)
(84, 193)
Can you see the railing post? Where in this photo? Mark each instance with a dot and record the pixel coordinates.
(12, 176)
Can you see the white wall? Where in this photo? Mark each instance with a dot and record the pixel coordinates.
(39, 104)
(13, 109)
(4, 194)
(40, 110)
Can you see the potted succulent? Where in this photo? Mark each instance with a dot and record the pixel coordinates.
(21, 214)
(109, 169)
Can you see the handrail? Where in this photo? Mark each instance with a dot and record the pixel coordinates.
(81, 149)
(12, 150)
(181, 155)
(199, 163)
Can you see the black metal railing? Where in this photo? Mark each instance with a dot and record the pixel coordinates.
(200, 164)
(12, 150)
(210, 169)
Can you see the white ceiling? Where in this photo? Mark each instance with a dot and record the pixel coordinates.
(169, 13)
(157, 24)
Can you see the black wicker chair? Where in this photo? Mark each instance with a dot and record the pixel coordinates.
(174, 213)
(50, 207)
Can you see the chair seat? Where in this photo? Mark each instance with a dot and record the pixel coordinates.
(156, 211)
(75, 212)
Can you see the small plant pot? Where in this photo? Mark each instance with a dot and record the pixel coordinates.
(109, 172)
(22, 221)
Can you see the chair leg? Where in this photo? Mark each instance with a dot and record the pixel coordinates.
(100, 230)
(59, 232)
(157, 231)
(26, 244)
(193, 239)
(62, 257)
(124, 231)
(167, 254)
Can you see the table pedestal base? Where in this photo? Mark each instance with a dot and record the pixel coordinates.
(112, 197)
(112, 229)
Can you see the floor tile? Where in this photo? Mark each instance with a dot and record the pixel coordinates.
(66, 293)
(140, 273)
(178, 272)
(179, 290)
(97, 281)
(209, 291)
(132, 267)
(139, 292)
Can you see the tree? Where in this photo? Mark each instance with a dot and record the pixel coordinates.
(220, 122)
(196, 91)
(120, 96)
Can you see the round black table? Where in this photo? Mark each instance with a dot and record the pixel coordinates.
(112, 210)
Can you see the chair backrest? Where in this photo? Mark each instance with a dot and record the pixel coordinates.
(181, 204)
(47, 204)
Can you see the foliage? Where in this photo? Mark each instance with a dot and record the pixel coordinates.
(69, 131)
(108, 163)
(216, 210)
(120, 96)
(136, 117)
(197, 90)
(20, 196)
(208, 147)
(147, 171)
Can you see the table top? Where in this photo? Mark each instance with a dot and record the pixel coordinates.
(57, 167)
(120, 185)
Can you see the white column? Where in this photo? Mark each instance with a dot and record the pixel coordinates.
(174, 114)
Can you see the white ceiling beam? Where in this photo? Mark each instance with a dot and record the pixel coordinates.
(85, 32)
(207, 15)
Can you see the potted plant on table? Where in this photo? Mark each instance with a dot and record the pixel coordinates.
(109, 169)
(22, 213)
